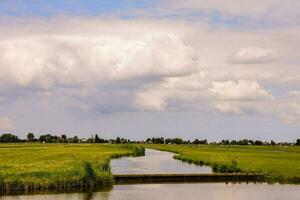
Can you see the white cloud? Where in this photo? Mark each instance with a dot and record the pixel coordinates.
(116, 65)
(295, 107)
(194, 92)
(185, 89)
(252, 55)
(290, 118)
(83, 58)
(6, 124)
(242, 90)
(154, 100)
(267, 12)
(291, 113)
(229, 108)
(295, 93)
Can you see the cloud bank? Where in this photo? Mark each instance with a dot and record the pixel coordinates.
(109, 66)
(184, 63)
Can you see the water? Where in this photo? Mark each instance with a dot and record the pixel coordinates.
(153, 162)
(191, 191)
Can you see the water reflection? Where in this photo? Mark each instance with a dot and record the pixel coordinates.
(191, 191)
(155, 161)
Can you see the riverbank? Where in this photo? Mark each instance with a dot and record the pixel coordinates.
(276, 163)
(186, 178)
(28, 168)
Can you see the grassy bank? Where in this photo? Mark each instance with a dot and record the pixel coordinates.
(36, 167)
(278, 164)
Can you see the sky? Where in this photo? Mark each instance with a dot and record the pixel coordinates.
(138, 69)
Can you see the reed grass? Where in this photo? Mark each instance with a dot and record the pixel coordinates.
(276, 163)
(35, 167)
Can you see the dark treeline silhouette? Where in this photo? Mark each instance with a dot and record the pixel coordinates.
(48, 138)
(8, 137)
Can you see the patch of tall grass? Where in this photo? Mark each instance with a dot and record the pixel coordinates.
(29, 168)
(276, 163)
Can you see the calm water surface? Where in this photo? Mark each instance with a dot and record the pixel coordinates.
(191, 191)
(153, 162)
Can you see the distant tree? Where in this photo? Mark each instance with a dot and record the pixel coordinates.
(160, 140)
(8, 137)
(64, 138)
(251, 142)
(243, 142)
(168, 141)
(45, 138)
(75, 139)
(118, 140)
(177, 141)
(298, 142)
(273, 143)
(196, 141)
(258, 142)
(233, 142)
(225, 142)
(97, 139)
(49, 138)
(30, 137)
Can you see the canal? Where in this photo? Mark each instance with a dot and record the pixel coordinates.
(162, 162)
(155, 162)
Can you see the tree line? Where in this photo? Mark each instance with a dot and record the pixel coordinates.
(48, 138)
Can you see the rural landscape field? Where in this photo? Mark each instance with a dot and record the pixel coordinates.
(149, 99)
(277, 163)
(34, 167)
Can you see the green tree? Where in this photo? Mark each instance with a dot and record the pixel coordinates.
(64, 138)
(75, 139)
(97, 139)
(30, 137)
(8, 137)
(177, 141)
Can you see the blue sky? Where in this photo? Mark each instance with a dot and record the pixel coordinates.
(192, 69)
(69, 7)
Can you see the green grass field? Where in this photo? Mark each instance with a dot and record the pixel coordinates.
(29, 167)
(277, 163)
(32, 167)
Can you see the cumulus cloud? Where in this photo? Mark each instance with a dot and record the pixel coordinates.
(185, 89)
(61, 59)
(230, 108)
(252, 55)
(194, 92)
(291, 115)
(151, 100)
(114, 65)
(6, 124)
(242, 90)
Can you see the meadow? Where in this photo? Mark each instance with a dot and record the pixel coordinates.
(29, 167)
(277, 163)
